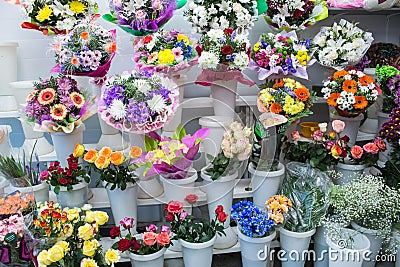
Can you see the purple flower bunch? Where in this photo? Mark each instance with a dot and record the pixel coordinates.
(391, 130)
(394, 86)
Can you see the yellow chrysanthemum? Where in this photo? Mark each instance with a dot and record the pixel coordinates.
(266, 97)
(257, 47)
(182, 37)
(289, 82)
(166, 57)
(293, 108)
(77, 7)
(44, 13)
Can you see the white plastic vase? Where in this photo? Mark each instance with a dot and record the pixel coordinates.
(351, 128)
(136, 140)
(176, 120)
(197, 254)
(75, 198)
(349, 172)
(178, 189)
(123, 203)
(374, 240)
(40, 191)
(255, 251)
(149, 187)
(348, 257)
(152, 260)
(265, 184)
(220, 192)
(64, 143)
(42, 147)
(293, 241)
(8, 66)
(224, 96)
(321, 247)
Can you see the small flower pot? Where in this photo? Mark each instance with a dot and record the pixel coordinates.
(349, 172)
(41, 191)
(64, 143)
(197, 253)
(75, 198)
(178, 189)
(152, 260)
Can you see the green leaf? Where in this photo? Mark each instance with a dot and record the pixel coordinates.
(314, 162)
(320, 151)
(149, 143)
(110, 18)
(179, 133)
(262, 6)
(57, 189)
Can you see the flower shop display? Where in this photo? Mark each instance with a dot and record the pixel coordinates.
(342, 45)
(295, 14)
(196, 238)
(374, 216)
(53, 17)
(59, 107)
(146, 249)
(221, 175)
(116, 175)
(138, 102)
(308, 189)
(59, 236)
(69, 183)
(86, 50)
(256, 228)
(281, 54)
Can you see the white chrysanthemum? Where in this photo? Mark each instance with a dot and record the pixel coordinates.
(215, 34)
(241, 60)
(117, 109)
(142, 85)
(208, 60)
(156, 103)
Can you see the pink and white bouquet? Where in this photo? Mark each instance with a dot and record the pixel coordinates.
(221, 14)
(281, 54)
(165, 51)
(342, 45)
(138, 102)
(57, 104)
(87, 50)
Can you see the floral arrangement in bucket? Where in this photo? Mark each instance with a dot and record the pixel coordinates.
(87, 50)
(236, 148)
(342, 45)
(57, 105)
(281, 54)
(389, 81)
(170, 157)
(350, 92)
(113, 166)
(69, 235)
(146, 243)
(53, 17)
(295, 14)
(168, 52)
(138, 102)
(186, 228)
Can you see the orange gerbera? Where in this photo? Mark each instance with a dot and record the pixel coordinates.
(340, 74)
(46, 96)
(350, 86)
(58, 112)
(302, 93)
(365, 80)
(361, 102)
(332, 99)
(279, 83)
(135, 152)
(84, 35)
(77, 99)
(275, 108)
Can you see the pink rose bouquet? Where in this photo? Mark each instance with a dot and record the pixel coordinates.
(368, 153)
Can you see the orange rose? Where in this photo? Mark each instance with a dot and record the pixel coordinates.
(90, 156)
(149, 238)
(336, 151)
(105, 151)
(135, 152)
(117, 158)
(78, 150)
(102, 162)
(163, 239)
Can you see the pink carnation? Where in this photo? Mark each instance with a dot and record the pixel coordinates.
(371, 148)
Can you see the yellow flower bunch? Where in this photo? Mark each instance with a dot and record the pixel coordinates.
(266, 97)
(256, 47)
(303, 57)
(165, 57)
(44, 13)
(77, 7)
(277, 206)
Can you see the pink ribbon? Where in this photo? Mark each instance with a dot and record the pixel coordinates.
(207, 77)
(346, 3)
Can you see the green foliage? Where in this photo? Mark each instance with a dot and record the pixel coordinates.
(221, 165)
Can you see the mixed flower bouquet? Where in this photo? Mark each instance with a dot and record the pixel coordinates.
(389, 81)
(222, 14)
(57, 104)
(54, 17)
(87, 50)
(170, 157)
(69, 235)
(295, 14)
(236, 148)
(281, 53)
(138, 102)
(57, 176)
(286, 97)
(166, 51)
(390, 130)
(341, 45)
(146, 243)
(184, 226)
(113, 166)
(350, 92)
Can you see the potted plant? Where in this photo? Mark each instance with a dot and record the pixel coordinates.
(256, 228)
(69, 183)
(196, 238)
(390, 131)
(308, 189)
(117, 177)
(146, 249)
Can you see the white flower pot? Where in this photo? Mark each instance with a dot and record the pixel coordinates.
(136, 140)
(173, 124)
(375, 243)
(255, 251)
(220, 192)
(3, 184)
(197, 253)
(151, 260)
(41, 191)
(178, 189)
(76, 198)
(348, 257)
(123, 203)
(64, 143)
(351, 128)
(224, 95)
(349, 172)
(293, 241)
(8, 66)
(149, 187)
(265, 184)
(320, 247)
(43, 146)
(110, 137)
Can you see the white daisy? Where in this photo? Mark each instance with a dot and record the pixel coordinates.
(117, 109)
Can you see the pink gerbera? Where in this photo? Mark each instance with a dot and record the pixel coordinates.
(178, 53)
(31, 96)
(77, 99)
(58, 112)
